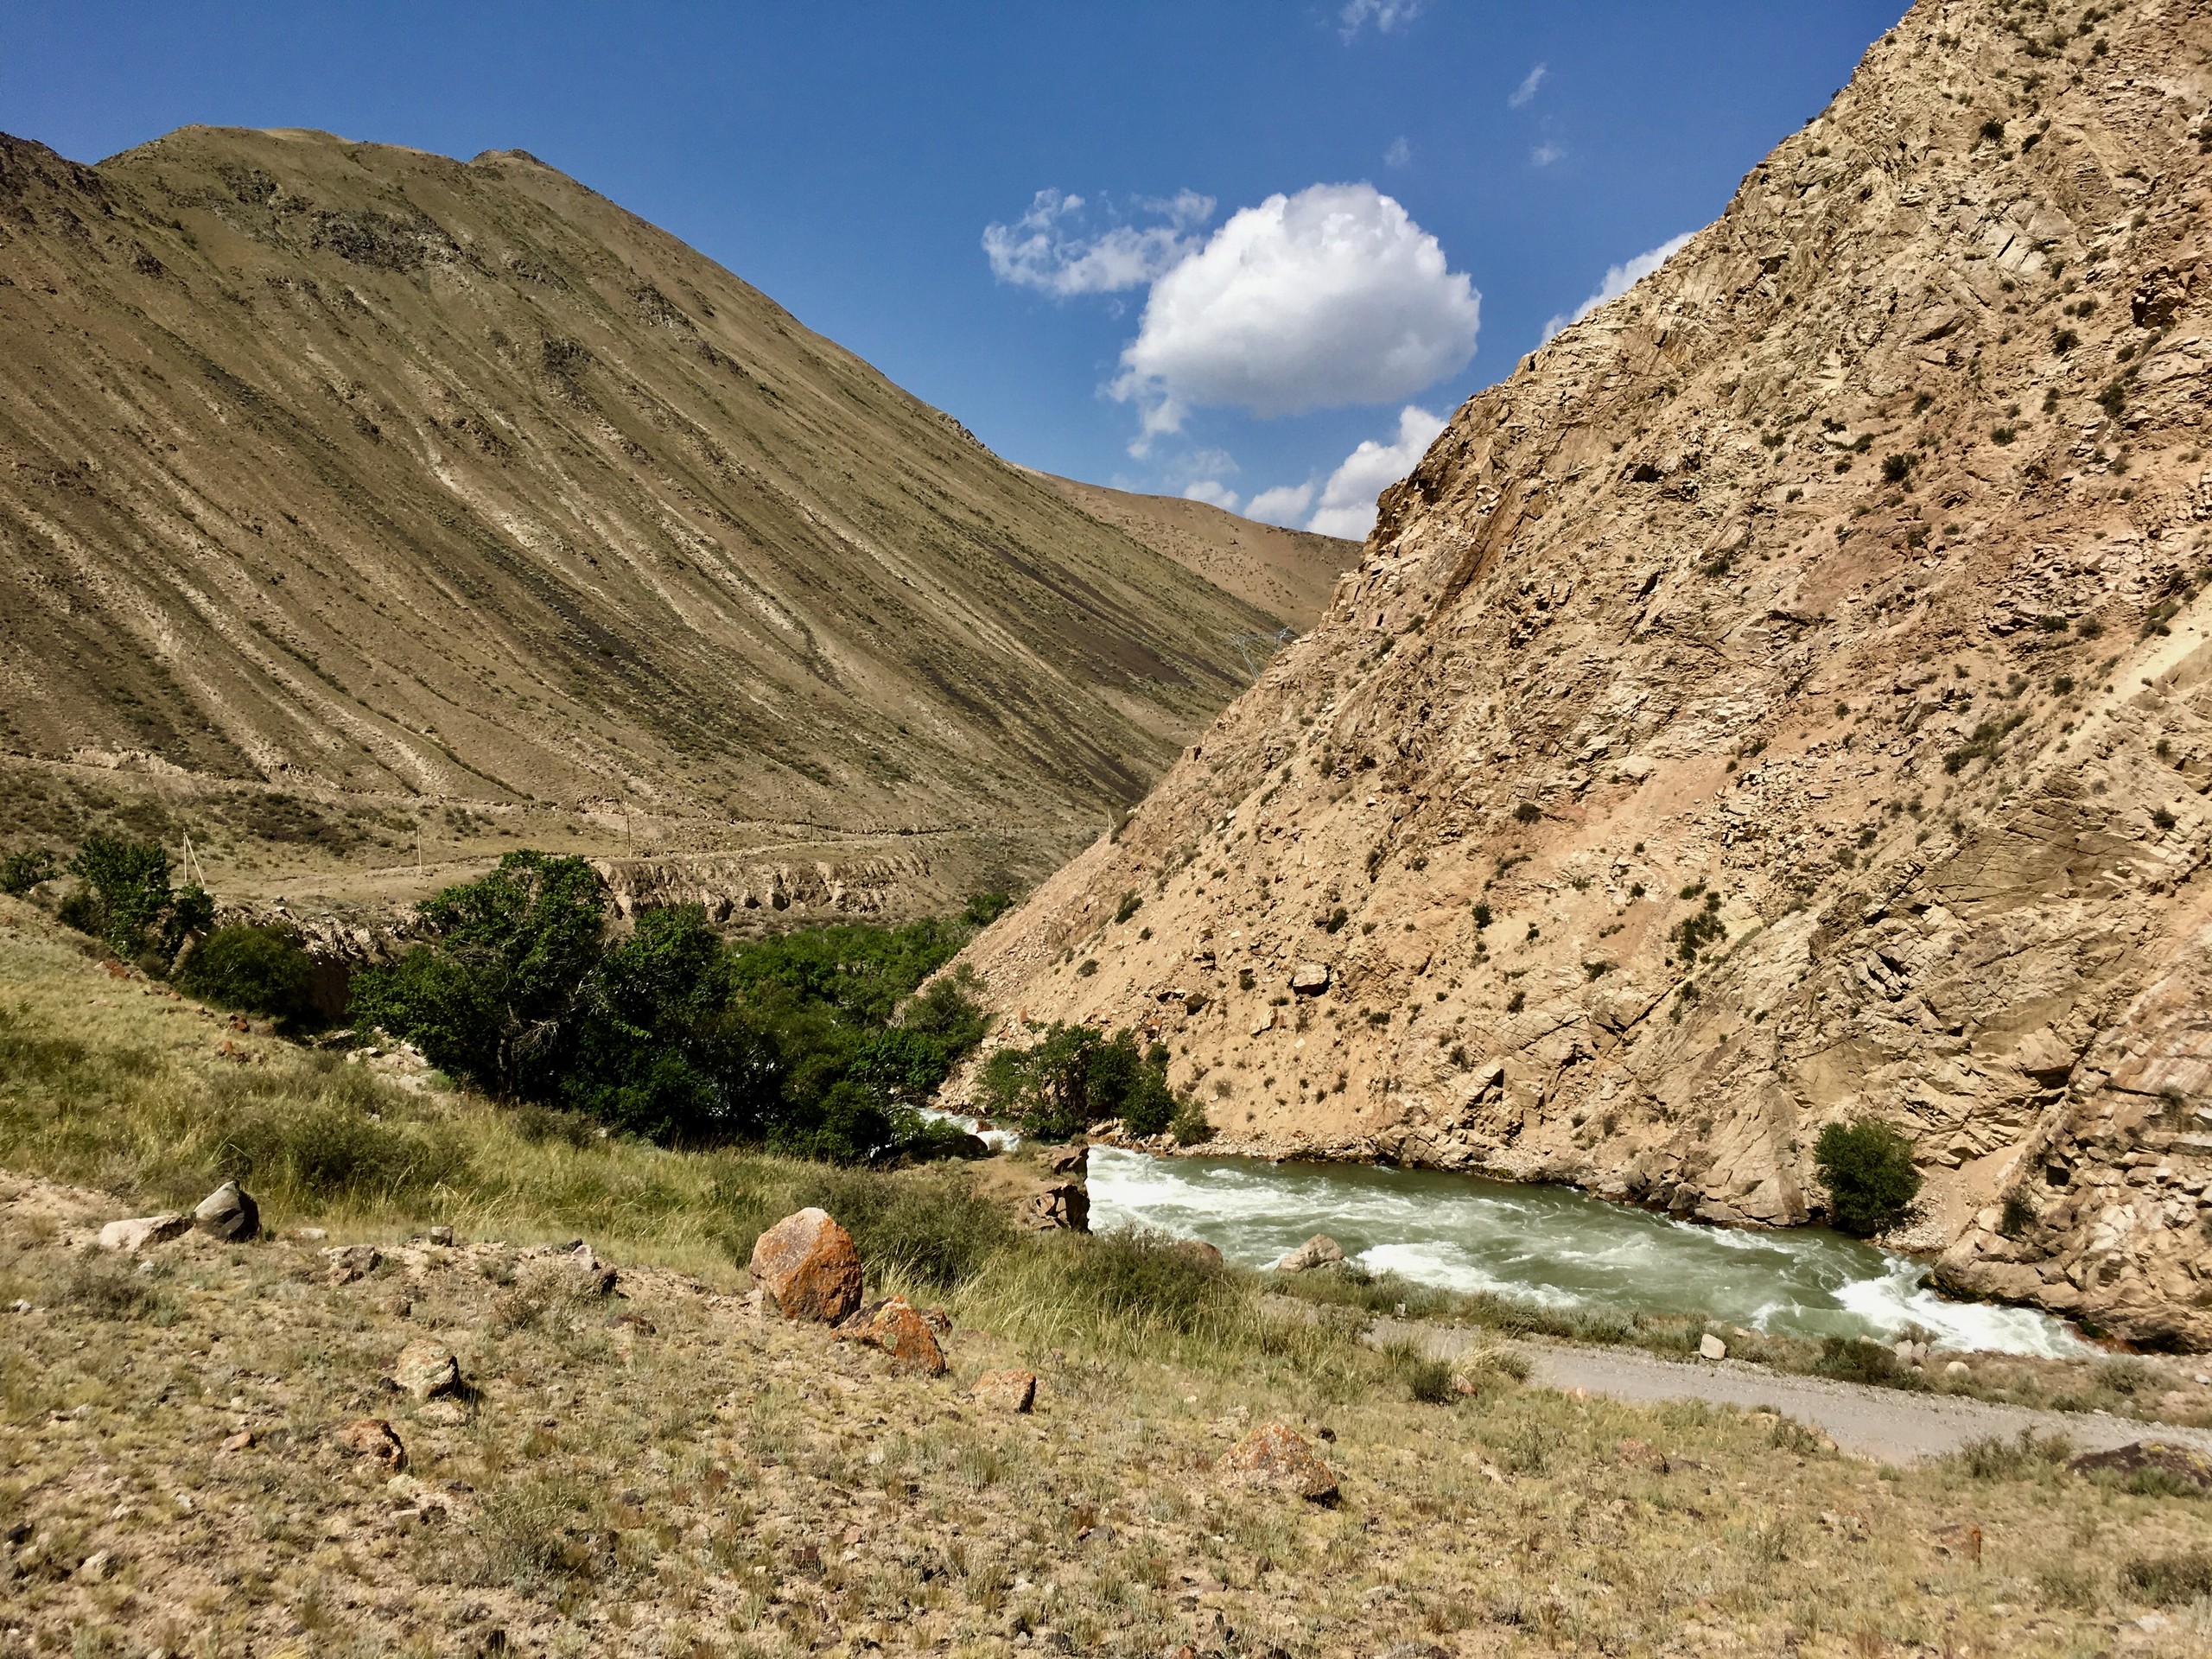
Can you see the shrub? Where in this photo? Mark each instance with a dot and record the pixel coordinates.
(1867, 1167)
(986, 907)
(21, 872)
(1528, 812)
(1854, 1359)
(260, 970)
(1896, 468)
(1189, 1125)
(2020, 1214)
(927, 1225)
(1993, 1456)
(2167, 1580)
(1129, 906)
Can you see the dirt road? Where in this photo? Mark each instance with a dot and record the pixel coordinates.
(1889, 1424)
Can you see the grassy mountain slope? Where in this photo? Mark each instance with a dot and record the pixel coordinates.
(385, 478)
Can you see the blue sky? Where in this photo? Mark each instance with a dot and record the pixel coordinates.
(1205, 318)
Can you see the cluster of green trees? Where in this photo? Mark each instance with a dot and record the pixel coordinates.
(125, 897)
(1073, 1077)
(813, 1042)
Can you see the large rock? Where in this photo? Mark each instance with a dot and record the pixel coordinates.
(229, 1213)
(1274, 1456)
(903, 1332)
(2165, 1462)
(807, 1265)
(425, 1369)
(1310, 978)
(1319, 1251)
(1061, 1205)
(143, 1232)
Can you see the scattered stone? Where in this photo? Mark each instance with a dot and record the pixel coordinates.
(1957, 1368)
(372, 1437)
(1198, 1251)
(1641, 1454)
(143, 1232)
(241, 1441)
(1319, 1251)
(599, 1278)
(1014, 1391)
(425, 1370)
(1064, 1205)
(228, 1213)
(1068, 1160)
(351, 1261)
(2181, 1464)
(808, 1266)
(310, 1234)
(94, 1568)
(1310, 978)
(441, 1235)
(1711, 1347)
(901, 1331)
(1276, 1456)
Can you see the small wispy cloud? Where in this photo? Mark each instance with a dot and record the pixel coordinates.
(1385, 15)
(1213, 492)
(1527, 89)
(1619, 279)
(1049, 249)
(1399, 154)
(1545, 154)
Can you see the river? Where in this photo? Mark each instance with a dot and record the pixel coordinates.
(1554, 1245)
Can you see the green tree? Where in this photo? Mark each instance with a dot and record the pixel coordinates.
(1073, 1077)
(125, 900)
(1867, 1169)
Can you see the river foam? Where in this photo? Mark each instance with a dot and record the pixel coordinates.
(1555, 1246)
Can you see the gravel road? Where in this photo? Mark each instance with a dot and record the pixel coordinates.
(1888, 1425)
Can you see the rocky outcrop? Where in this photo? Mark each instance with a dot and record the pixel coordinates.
(1783, 699)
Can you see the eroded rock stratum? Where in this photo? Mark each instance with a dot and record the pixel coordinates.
(1782, 700)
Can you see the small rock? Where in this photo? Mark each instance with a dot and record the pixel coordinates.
(95, 1568)
(425, 1369)
(351, 1261)
(310, 1234)
(1641, 1454)
(141, 1232)
(1063, 1206)
(1276, 1456)
(241, 1441)
(1310, 978)
(1711, 1347)
(897, 1328)
(599, 1278)
(1068, 1160)
(1006, 1390)
(1319, 1251)
(1957, 1368)
(228, 1213)
(372, 1437)
(807, 1264)
(1198, 1251)
(440, 1236)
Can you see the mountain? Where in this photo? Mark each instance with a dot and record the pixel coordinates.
(1288, 572)
(393, 487)
(1784, 700)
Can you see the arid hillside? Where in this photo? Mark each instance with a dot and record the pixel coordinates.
(387, 480)
(1291, 573)
(1784, 700)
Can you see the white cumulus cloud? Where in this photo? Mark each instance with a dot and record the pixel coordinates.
(1331, 296)
(1050, 249)
(1286, 504)
(1385, 15)
(1527, 89)
(1619, 279)
(1213, 491)
(1347, 506)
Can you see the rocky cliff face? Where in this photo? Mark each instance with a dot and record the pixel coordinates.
(1782, 700)
(385, 478)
